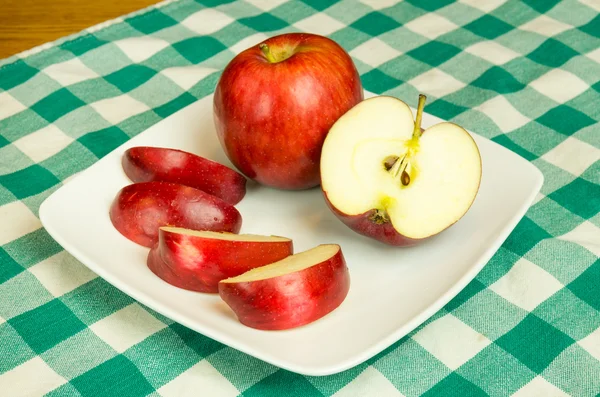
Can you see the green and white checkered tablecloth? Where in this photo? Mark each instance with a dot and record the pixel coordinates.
(525, 74)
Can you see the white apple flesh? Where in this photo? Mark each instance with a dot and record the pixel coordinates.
(386, 178)
(289, 293)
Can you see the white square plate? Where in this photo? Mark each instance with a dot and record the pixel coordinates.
(393, 290)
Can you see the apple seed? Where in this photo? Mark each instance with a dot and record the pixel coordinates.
(389, 162)
(405, 178)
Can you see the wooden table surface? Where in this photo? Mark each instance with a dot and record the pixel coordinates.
(25, 24)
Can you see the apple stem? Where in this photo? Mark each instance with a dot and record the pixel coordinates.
(420, 107)
(267, 52)
(398, 169)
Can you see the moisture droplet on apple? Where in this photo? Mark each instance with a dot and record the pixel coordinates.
(387, 179)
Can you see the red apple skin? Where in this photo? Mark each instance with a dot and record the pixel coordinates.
(363, 224)
(290, 300)
(203, 262)
(272, 118)
(148, 164)
(140, 209)
(156, 264)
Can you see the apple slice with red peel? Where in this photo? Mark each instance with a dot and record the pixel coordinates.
(158, 266)
(148, 164)
(386, 178)
(140, 209)
(292, 292)
(198, 260)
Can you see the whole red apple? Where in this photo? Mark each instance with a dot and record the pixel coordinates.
(276, 102)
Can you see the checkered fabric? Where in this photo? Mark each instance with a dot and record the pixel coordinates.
(525, 74)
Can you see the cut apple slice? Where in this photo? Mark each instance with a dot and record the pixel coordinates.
(388, 179)
(292, 292)
(198, 260)
(156, 264)
(140, 209)
(148, 164)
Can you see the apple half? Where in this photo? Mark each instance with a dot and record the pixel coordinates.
(387, 179)
(198, 260)
(290, 293)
